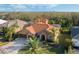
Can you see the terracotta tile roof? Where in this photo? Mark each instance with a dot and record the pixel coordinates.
(50, 26)
(37, 27)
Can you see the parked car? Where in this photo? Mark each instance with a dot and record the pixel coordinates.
(75, 36)
(75, 41)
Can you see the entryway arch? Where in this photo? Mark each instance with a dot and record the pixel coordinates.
(43, 37)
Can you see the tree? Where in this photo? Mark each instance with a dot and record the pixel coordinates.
(56, 33)
(23, 17)
(51, 22)
(34, 46)
(9, 31)
(4, 36)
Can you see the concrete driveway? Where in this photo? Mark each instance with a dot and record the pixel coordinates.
(15, 46)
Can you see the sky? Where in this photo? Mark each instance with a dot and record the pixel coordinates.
(39, 7)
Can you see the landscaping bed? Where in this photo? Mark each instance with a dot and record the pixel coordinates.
(3, 43)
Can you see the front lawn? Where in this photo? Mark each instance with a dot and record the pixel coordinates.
(65, 41)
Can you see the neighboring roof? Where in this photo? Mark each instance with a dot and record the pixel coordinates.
(37, 27)
(75, 31)
(2, 21)
(19, 22)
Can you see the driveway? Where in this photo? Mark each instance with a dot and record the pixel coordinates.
(15, 46)
(76, 51)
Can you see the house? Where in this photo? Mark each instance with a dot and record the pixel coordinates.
(40, 29)
(75, 35)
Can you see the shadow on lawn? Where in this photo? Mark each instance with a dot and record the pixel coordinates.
(58, 49)
(63, 46)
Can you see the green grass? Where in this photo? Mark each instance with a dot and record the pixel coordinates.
(65, 37)
(64, 43)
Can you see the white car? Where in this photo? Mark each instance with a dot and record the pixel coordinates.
(75, 40)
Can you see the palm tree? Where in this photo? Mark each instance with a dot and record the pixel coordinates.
(34, 46)
(56, 33)
(4, 36)
(9, 31)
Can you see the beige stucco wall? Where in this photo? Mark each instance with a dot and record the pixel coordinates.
(46, 33)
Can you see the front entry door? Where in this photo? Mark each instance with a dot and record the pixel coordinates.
(42, 37)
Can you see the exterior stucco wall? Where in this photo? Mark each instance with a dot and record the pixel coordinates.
(47, 34)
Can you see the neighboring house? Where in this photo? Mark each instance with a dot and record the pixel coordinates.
(9, 23)
(75, 35)
(20, 24)
(40, 29)
(3, 23)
